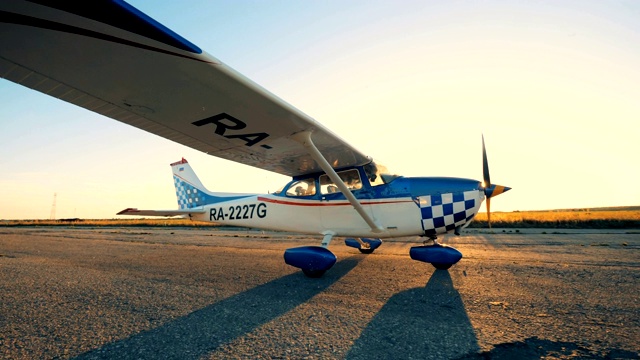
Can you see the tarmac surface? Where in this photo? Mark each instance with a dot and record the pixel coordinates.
(162, 293)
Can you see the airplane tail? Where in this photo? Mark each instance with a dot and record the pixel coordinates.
(189, 190)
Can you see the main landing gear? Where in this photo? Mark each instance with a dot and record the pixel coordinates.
(442, 257)
(314, 261)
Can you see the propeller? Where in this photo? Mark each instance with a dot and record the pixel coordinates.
(490, 190)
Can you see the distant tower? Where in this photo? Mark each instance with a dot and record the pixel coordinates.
(52, 216)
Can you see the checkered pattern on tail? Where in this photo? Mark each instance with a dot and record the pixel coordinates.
(188, 196)
(445, 212)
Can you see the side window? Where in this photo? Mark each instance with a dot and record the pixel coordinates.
(306, 187)
(327, 186)
(351, 178)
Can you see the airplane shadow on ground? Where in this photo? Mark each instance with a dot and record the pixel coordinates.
(204, 330)
(420, 323)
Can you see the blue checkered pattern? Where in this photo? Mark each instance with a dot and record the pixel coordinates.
(188, 196)
(445, 212)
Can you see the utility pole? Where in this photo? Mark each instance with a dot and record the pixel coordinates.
(52, 216)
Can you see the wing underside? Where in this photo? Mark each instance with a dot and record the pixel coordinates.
(113, 60)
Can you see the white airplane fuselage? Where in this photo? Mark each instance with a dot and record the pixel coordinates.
(437, 212)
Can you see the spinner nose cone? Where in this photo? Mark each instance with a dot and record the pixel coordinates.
(495, 190)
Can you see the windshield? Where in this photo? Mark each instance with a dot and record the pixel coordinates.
(378, 174)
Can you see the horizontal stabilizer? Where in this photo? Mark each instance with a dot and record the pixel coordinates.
(136, 212)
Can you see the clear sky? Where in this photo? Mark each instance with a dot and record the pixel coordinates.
(553, 85)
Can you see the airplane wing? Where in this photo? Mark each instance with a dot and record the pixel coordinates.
(110, 58)
(132, 211)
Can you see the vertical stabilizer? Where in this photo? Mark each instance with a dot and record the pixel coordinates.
(183, 170)
(189, 190)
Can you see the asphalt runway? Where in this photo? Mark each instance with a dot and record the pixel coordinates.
(150, 293)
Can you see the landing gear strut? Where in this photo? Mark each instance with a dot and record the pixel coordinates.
(432, 240)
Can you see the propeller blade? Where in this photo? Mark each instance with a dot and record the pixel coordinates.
(490, 190)
(489, 212)
(485, 166)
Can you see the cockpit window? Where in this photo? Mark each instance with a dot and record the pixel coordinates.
(306, 187)
(351, 178)
(378, 174)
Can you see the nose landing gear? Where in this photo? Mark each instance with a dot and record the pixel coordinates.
(442, 257)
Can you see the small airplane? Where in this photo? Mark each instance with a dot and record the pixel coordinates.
(112, 59)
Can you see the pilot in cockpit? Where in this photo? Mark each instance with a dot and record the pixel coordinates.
(352, 182)
(311, 188)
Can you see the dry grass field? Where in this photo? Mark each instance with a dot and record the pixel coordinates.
(601, 218)
(608, 218)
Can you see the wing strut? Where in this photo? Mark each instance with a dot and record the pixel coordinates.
(304, 138)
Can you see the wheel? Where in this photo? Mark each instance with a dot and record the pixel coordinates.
(441, 266)
(366, 251)
(313, 273)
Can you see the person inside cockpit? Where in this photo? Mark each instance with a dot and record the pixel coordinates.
(306, 187)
